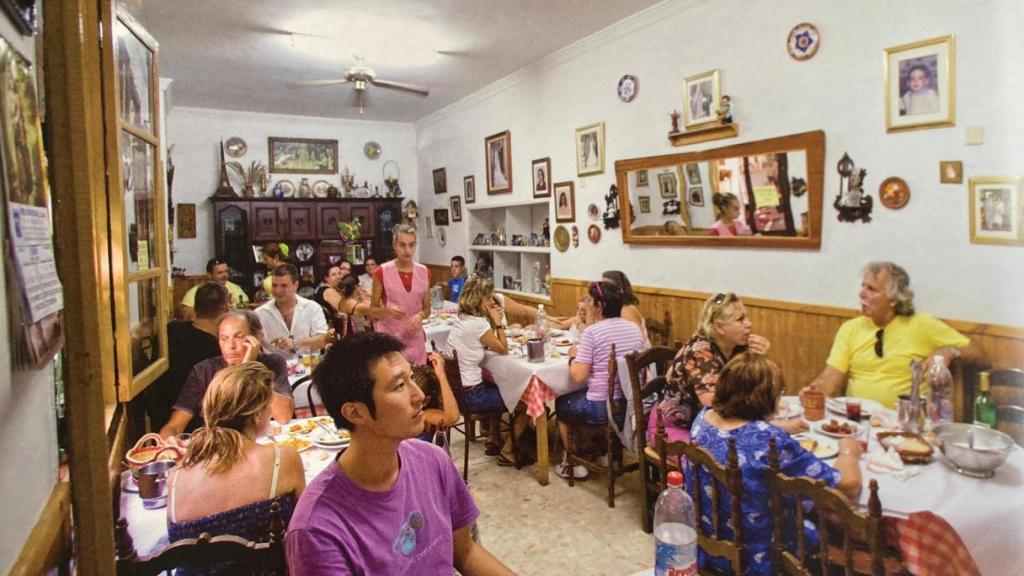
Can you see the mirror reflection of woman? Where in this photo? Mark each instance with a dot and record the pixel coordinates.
(729, 223)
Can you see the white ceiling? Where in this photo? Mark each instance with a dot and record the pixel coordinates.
(242, 54)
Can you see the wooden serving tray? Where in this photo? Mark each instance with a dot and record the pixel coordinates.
(886, 438)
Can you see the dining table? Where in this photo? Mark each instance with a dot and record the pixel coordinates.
(148, 528)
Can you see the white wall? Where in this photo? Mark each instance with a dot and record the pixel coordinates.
(196, 133)
(28, 424)
(839, 91)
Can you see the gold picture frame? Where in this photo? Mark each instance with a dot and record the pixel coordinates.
(590, 149)
(920, 85)
(701, 94)
(498, 161)
(302, 156)
(996, 211)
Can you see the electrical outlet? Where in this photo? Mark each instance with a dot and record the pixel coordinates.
(975, 135)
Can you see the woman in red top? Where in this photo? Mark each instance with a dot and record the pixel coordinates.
(401, 293)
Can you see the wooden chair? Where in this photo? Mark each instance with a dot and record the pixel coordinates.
(643, 388)
(1010, 419)
(660, 332)
(205, 551)
(703, 463)
(616, 465)
(834, 511)
(1007, 390)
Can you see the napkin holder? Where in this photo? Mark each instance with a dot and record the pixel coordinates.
(535, 350)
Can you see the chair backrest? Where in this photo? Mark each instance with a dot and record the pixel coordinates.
(830, 503)
(659, 332)
(454, 375)
(643, 387)
(205, 551)
(312, 396)
(1010, 420)
(701, 465)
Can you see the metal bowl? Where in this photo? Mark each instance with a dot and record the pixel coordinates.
(978, 458)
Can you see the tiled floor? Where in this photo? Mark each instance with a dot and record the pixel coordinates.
(537, 530)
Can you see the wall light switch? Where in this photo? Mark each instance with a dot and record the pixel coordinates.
(975, 135)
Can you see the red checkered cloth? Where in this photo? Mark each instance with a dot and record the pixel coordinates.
(931, 547)
(537, 394)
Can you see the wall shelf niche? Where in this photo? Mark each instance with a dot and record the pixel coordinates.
(519, 270)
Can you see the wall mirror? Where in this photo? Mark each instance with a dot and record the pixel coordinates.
(759, 194)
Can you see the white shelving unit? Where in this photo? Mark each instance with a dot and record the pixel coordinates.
(523, 265)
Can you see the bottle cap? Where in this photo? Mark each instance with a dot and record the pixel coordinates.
(984, 381)
(675, 479)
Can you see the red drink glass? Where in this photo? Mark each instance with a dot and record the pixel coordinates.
(853, 410)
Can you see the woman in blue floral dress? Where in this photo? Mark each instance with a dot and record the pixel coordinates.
(746, 394)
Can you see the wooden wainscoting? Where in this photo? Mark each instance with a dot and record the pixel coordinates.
(801, 334)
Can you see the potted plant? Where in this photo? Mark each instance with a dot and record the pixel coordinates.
(251, 177)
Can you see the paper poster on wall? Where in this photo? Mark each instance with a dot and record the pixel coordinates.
(766, 196)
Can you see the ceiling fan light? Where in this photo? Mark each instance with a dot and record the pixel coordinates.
(360, 85)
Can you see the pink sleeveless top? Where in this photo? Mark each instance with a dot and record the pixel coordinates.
(410, 302)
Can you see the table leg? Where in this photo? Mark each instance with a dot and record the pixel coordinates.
(542, 448)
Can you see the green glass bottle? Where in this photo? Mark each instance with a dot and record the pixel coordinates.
(984, 408)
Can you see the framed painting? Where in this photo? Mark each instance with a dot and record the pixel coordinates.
(440, 181)
(303, 155)
(456, 205)
(498, 162)
(701, 95)
(565, 202)
(920, 85)
(440, 216)
(541, 169)
(996, 210)
(641, 178)
(645, 204)
(590, 149)
(696, 196)
(469, 187)
(951, 172)
(668, 185)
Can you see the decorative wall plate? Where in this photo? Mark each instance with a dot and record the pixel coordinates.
(561, 238)
(372, 150)
(320, 188)
(304, 252)
(803, 41)
(627, 89)
(894, 193)
(235, 147)
(594, 233)
(593, 211)
(286, 187)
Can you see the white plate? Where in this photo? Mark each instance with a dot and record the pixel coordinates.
(825, 449)
(819, 428)
(868, 408)
(320, 188)
(790, 411)
(332, 445)
(304, 252)
(287, 188)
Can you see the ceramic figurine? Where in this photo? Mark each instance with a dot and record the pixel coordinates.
(725, 109)
(675, 121)
(538, 282)
(611, 210)
(547, 233)
(575, 236)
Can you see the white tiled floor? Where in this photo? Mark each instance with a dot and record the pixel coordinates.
(554, 529)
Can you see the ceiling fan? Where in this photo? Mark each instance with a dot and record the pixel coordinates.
(361, 76)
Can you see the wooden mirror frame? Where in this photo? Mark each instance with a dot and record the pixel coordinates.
(812, 143)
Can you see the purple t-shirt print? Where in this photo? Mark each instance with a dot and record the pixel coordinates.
(340, 528)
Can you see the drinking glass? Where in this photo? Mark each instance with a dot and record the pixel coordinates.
(306, 358)
(853, 410)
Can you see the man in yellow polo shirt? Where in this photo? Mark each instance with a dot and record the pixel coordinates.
(219, 273)
(871, 354)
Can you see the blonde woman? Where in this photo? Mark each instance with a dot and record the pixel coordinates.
(227, 482)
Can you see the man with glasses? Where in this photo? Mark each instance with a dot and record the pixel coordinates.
(871, 354)
(218, 272)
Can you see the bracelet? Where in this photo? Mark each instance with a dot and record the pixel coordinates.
(845, 451)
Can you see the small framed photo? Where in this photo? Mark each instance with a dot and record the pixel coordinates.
(440, 181)
(695, 196)
(668, 185)
(440, 216)
(693, 174)
(590, 149)
(645, 204)
(920, 85)
(996, 210)
(641, 179)
(565, 202)
(498, 150)
(469, 187)
(951, 172)
(702, 93)
(541, 177)
(456, 205)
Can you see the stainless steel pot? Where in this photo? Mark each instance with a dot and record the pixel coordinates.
(973, 450)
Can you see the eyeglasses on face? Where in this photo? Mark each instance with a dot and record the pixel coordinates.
(878, 342)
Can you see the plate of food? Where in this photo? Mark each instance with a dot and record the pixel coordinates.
(837, 429)
(326, 439)
(820, 447)
(838, 406)
(912, 448)
(562, 342)
(787, 410)
(295, 441)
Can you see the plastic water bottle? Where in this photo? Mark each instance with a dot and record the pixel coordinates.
(675, 534)
(940, 392)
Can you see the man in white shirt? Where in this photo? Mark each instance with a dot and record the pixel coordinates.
(289, 320)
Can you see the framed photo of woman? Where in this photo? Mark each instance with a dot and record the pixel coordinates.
(541, 169)
(565, 202)
(498, 150)
(590, 149)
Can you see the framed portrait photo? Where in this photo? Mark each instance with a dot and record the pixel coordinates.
(695, 196)
(951, 172)
(541, 169)
(456, 206)
(668, 185)
(700, 101)
(440, 181)
(498, 150)
(590, 149)
(645, 204)
(303, 155)
(920, 85)
(996, 210)
(440, 216)
(565, 201)
(641, 179)
(469, 188)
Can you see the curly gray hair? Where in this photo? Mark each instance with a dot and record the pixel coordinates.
(899, 289)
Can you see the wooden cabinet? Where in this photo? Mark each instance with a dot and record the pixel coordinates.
(267, 222)
(327, 218)
(299, 221)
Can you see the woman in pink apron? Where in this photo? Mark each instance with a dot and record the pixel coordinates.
(402, 288)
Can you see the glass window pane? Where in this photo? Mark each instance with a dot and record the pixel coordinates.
(142, 318)
(139, 201)
(134, 67)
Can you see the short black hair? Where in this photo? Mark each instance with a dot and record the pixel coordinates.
(608, 296)
(459, 259)
(368, 258)
(287, 270)
(210, 300)
(213, 263)
(344, 374)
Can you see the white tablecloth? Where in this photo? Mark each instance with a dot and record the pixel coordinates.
(512, 374)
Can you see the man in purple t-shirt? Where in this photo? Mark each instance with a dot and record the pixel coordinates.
(390, 504)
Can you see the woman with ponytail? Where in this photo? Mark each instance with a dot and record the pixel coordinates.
(730, 222)
(227, 482)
